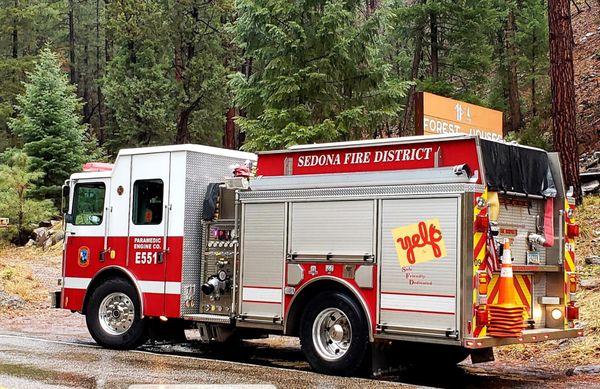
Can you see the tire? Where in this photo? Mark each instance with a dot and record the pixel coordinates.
(348, 334)
(113, 316)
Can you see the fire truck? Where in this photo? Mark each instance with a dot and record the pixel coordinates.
(375, 253)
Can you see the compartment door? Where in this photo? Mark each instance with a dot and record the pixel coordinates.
(419, 264)
(263, 245)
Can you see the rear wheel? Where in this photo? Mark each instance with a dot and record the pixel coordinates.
(334, 334)
(113, 316)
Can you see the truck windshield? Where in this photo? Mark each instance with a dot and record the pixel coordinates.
(88, 203)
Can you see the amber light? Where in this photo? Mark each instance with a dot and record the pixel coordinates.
(483, 284)
(573, 283)
(572, 230)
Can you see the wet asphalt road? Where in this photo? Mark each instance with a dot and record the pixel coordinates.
(34, 363)
(30, 362)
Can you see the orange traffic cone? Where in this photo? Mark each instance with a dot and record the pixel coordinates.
(506, 316)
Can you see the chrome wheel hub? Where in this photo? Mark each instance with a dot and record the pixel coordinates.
(332, 334)
(116, 313)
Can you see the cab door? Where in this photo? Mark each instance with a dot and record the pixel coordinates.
(148, 227)
(85, 228)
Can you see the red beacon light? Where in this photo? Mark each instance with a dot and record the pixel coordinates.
(572, 230)
(572, 312)
(482, 223)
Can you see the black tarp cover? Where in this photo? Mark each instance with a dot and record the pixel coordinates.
(513, 168)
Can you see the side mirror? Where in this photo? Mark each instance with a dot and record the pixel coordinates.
(64, 206)
(69, 218)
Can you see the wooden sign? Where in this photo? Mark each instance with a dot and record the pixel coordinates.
(440, 115)
(3, 222)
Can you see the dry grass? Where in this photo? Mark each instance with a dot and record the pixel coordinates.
(581, 351)
(17, 267)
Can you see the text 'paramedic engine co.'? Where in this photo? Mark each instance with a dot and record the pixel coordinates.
(420, 242)
(360, 157)
(146, 250)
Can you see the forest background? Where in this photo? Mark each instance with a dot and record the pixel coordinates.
(81, 79)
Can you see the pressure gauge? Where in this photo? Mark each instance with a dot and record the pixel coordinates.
(222, 275)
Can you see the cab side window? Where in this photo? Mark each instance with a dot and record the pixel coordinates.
(147, 202)
(88, 203)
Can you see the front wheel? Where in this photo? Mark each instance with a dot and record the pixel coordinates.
(334, 334)
(113, 316)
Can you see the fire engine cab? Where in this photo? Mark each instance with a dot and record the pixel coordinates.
(374, 253)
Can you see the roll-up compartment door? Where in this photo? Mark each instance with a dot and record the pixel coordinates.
(336, 228)
(263, 254)
(419, 264)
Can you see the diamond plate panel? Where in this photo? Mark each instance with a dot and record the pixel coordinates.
(201, 170)
(371, 192)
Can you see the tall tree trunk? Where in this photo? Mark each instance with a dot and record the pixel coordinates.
(414, 73)
(101, 121)
(72, 71)
(433, 27)
(516, 119)
(229, 138)
(107, 41)
(562, 81)
(533, 70)
(15, 34)
(183, 131)
(87, 106)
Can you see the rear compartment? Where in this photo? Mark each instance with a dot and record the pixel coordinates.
(527, 206)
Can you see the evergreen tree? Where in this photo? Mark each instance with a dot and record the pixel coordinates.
(445, 47)
(16, 185)
(317, 72)
(49, 125)
(534, 65)
(24, 27)
(167, 81)
(136, 85)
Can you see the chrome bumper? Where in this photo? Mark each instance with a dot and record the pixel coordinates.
(529, 336)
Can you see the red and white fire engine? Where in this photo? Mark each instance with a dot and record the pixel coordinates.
(368, 251)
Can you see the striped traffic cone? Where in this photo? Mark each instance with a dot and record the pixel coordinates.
(506, 316)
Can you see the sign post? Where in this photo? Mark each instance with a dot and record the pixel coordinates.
(440, 115)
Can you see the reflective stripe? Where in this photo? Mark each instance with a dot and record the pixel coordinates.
(168, 287)
(76, 282)
(425, 304)
(260, 295)
(160, 287)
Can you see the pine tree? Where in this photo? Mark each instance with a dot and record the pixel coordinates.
(24, 26)
(318, 72)
(533, 63)
(49, 125)
(445, 47)
(136, 85)
(167, 80)
(16, 185)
